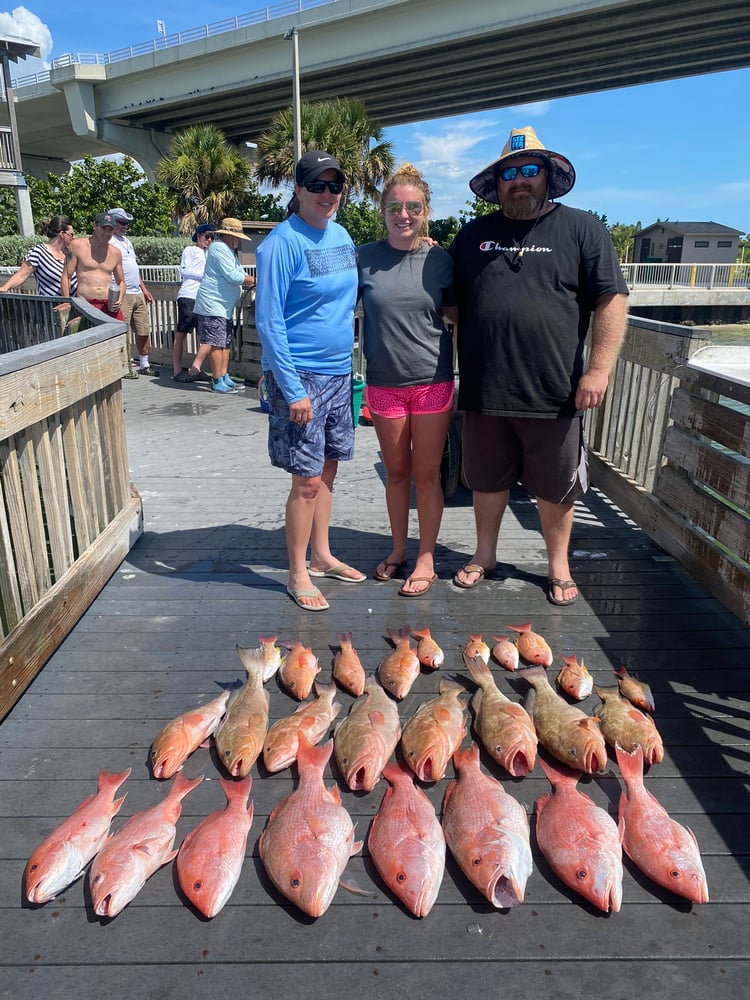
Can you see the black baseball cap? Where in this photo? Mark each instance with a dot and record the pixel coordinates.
(314, 163)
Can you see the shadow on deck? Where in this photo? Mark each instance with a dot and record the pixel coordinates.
(209, 573)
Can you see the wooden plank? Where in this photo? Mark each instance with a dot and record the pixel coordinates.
(79, 499)
(52, 479)
(713, 468)
(26, 649)
(11, 605)
(23, 544)
(704, 511)
(27, 461)
(723, 424)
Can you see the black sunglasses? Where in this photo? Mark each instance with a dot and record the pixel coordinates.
(318, 187)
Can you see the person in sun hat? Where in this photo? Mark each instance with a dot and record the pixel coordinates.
(529, 279)
(304, 311)
(137, 297)
(218, 293)
(192, 267)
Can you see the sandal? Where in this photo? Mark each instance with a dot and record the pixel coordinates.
(470, 568)
(553, 582)
(394, 567)
(429, 580)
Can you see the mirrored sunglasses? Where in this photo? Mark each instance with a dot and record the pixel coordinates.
(412, 207)
(527, 170)
(318, 187)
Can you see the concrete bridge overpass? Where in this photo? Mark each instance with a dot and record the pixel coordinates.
(408, 60)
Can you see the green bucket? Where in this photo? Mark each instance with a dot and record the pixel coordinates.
(358, 391)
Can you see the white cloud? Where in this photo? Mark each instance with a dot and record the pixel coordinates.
(23, 23)
(536, 110)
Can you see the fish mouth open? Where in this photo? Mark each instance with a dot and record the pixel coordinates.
(104, 907)
(518, 765)
(504, 892)
(608, 894)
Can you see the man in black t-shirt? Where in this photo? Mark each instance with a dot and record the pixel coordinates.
(530, 279)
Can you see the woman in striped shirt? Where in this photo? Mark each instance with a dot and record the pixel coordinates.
(46, 260)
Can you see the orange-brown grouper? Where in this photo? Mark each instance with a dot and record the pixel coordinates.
(183, 735)
(623, 723)
(487, 832)
(400, 668)
(504, 727)
(209, 862)
(366, 738)
(239, 738)
(434, 732)
(134, 853)
(406, 842)
(568, 733)
(347, 666)
(61, 858)
(661, 847)
(309, 836)
(579, 840)
(312, 718)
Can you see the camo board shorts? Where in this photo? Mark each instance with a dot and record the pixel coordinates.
(302, 449)
(548, 457)
(410, 399)
(214, 330)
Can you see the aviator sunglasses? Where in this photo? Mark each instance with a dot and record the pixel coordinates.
(318, 187)
(527, 170)
(412, 207)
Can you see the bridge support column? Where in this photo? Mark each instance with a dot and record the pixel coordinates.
(147, 146)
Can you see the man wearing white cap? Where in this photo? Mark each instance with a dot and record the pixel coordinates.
(530, 278)
(137, 297)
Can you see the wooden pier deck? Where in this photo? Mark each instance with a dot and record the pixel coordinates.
(209, 573)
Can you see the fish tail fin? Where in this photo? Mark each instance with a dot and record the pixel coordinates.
(421, 633)
(631, 764)
(466, 756)
(478, 669)
(529, 673)
(520, 628)
(267, 640)
(111, 782)
(344, 637)
(559, 774)
(182, 785)
(321, 688)
(393, 772)
(396, 634)
(313, 757)
(621, 671)
(237, 790)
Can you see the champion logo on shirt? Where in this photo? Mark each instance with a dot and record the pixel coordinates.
(490, 245)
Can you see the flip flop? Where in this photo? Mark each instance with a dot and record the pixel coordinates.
(552, 582)
(337, 572)
(298, 592)
(394, 566)
(429, 580)
(470, 568)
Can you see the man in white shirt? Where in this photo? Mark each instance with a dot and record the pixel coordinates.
(137, 297)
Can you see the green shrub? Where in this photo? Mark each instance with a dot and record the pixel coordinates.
(148, 249)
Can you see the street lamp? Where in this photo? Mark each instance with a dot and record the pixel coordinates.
(293, 35)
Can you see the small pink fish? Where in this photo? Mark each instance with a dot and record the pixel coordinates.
(661, 847)
(62, 856)
(271, 655)
(531, 646)
(210, 859)
(347, 666)
(298, 670)
(634, 690)
(429, 654)
(134, 853)
(400, 668)
(574, 679)
(476, 646)
(311, 718)
(180, 737)
(505, 652)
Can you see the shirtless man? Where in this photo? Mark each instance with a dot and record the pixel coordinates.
(96, 262)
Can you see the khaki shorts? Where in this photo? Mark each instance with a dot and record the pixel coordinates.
(548, 457)
(135, 313)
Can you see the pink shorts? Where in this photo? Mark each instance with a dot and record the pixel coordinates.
(412, 399)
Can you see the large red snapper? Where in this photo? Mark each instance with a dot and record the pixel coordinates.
(180, 737)
(298, 670)
(309, 836)
(366, 738)
(210, 858)
(532, 647)
(62, 856)
(134, 853)
(406, 842)
(505, 728)
(568, 733)
(621, 722)
(661, 847)
(400, 668)
(311, 718)
(347, 666)
(579, 840)
(487, 832)
(239, 738)
(433, 733)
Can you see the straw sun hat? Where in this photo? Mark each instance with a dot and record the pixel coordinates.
(560, 173)
(231, 227)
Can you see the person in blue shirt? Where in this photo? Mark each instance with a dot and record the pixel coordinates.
(304, 312)
(222, 282)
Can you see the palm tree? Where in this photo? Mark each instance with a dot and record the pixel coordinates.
(207, 175)
(340, 126)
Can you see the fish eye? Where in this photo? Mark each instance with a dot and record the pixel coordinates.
(33, 868)
(675, 873)
(401, 877)
(295, 882)
(582, 874)
(97, 878)
(476, 862)
(197, 885)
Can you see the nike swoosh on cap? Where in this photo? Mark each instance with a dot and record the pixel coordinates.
(322, 159)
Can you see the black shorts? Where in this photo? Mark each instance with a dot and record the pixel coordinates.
(186, 321)
(548, 457)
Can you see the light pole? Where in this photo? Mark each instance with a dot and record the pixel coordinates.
(293, 34)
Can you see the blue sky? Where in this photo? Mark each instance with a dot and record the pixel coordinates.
(677, 150)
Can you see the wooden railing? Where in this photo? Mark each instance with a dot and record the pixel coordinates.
(671, 447)
(68, 512)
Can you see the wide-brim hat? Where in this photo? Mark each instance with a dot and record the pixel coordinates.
(560, 173)
(231, 227)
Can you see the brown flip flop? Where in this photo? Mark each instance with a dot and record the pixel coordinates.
(429, 580)
(470, 568)
(394, 566)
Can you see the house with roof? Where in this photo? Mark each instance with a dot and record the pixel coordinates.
(666, 242)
